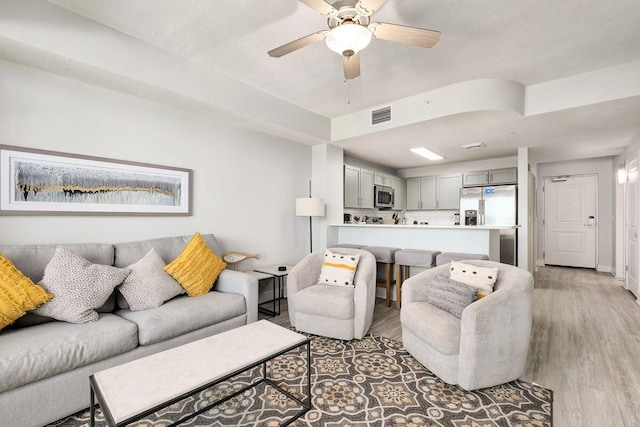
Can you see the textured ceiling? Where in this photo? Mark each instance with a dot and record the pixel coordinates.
(528, 42)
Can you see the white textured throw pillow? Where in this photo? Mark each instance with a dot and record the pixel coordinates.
(482, 278)
(148, 285)
(338, 269)
(78, 286)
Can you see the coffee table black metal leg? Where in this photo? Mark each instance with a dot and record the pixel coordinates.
(309, 374)
(92, 411)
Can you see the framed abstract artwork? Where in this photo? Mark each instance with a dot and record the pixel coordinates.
(43, 182)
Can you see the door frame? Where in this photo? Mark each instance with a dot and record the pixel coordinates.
(544, 211)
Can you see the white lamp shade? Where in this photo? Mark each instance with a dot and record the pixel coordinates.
(348, 37)
(309, 206)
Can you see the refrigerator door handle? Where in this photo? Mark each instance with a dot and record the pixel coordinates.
(481, 212)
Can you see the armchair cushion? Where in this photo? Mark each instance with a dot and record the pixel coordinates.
(432, 325)
(338, 269)
(326, 300)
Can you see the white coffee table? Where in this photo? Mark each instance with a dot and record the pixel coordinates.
(133, 390)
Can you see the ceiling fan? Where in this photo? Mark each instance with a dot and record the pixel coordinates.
(350, 31)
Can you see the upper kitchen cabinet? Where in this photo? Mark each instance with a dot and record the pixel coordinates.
(358, 188)
(400, 193)
(421, 193)
(434, 192)
(503, 176)
(382, 179)
(448, 191)
(472, 179)
(491, 177)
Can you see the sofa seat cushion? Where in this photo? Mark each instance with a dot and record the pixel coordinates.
(184, 314)
(434, 326)
(41, 351)
(327, 301)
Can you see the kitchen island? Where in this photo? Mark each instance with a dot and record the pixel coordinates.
(478, 239)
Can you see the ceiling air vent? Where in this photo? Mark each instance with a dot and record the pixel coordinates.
(474, 146)
(381, 115)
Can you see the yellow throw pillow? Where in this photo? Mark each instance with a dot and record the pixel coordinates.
(18, 294)
(196, 268)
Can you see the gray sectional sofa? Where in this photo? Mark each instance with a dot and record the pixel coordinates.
(45, 364)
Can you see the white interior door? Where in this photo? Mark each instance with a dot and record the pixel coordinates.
(631, 222)
(570, 221)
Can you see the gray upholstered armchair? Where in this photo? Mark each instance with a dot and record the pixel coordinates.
(333, 311)
(487, 346)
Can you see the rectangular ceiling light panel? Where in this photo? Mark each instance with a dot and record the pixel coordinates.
(425, 152)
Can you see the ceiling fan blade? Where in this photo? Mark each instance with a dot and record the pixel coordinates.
(351, 65)
(403, 34)
(368, 7)
(298, 44)
(321, 6)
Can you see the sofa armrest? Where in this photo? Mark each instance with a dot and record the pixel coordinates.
(495, 333)
(237, 282)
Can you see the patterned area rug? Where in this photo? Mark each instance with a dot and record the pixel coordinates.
(368, 382)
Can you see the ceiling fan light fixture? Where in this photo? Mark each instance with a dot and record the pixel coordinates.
(426, 153)
(348, 39)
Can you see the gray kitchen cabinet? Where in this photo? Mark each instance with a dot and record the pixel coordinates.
(491, 177)
(428, 193)
(358, 188)
(400, 193)
(503, 176)
(448, 191)
(382, 179)
(476, 178)
(421, 193)
(413, 194)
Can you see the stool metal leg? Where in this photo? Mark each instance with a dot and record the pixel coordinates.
(398, 284)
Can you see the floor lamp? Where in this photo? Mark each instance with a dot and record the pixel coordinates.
(310, 206)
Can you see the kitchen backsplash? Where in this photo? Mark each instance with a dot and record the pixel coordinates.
(443, 217)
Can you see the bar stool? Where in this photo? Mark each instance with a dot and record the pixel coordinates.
(384, 255)
(411, 258)
(447, 257)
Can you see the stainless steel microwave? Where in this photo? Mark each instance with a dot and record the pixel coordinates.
(383, 197)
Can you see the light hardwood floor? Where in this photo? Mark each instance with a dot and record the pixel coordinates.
(585, 346)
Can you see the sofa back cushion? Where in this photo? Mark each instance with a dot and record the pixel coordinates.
(167, 247)
(31, 260)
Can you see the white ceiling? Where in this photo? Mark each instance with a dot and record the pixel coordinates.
(525, 41)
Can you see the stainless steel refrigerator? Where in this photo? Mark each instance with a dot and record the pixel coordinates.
(496, 205)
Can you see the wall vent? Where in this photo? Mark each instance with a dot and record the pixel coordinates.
(381, 115)
(474, 146)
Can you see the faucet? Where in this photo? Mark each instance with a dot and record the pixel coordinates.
(402, 217)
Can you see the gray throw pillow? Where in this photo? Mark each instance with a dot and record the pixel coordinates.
(450, 295)
(148, 285)
(78, 287)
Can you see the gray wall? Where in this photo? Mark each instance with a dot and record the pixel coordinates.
(603, 168)
(245, 182)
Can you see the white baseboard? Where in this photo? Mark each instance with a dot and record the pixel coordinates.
(603, 268)
(540, 263)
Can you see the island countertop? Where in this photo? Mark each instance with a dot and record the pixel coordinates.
(476, 239)
(434, 226)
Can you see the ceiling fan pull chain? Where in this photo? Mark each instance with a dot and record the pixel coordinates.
(348, 91)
